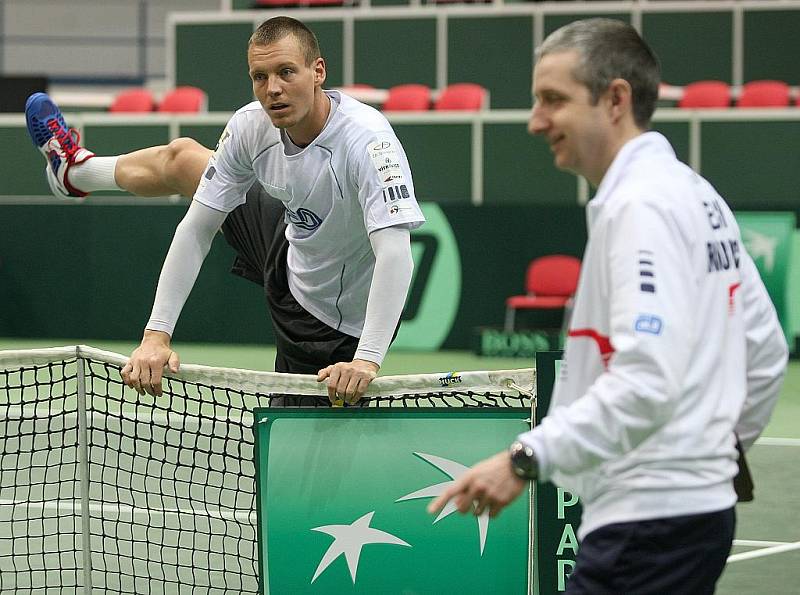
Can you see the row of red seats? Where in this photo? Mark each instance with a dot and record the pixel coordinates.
(415, 97)
(717, 94)
(180, 100)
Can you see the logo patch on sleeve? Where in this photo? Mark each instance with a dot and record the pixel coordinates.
(386, 160)
(648, 323)
(647, 275)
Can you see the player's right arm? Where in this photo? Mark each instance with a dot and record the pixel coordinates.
(189, 247)
(222, 188)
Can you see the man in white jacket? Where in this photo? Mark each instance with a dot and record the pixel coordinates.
(674, 347)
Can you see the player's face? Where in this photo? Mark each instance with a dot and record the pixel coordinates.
(288, 88)
(577, 131)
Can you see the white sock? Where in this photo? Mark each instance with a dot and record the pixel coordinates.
(95, 174)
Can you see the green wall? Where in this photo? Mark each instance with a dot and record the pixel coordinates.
(773, 44)
(395, 52)
(494, 49)
(692, 46)
(752, 164)
(214, 58)
(479, 51)
(90, 271)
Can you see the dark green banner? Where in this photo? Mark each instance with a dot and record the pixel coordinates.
(557, 513)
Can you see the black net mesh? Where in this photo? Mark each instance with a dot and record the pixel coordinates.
(171, 480)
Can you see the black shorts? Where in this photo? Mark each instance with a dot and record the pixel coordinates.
(257, 231)
(684, 554)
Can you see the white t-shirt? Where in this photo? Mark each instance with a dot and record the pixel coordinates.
(354, 178)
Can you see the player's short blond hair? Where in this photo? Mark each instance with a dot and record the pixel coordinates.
(277, 28)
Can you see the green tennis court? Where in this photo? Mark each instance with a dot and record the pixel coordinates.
(767, 547)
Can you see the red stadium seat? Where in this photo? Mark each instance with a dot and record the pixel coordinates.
(764, 94)
(133, 101)
(293, 3)
(411, 97)
(705, 94)
(275, 3)
(550, 283)
(184, 100)
(462, 96)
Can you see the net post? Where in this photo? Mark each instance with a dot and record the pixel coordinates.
(531, 512)
(83, 462)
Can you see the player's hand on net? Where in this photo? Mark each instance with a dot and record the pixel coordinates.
(490, 485)
(348, 381)
(144, 369)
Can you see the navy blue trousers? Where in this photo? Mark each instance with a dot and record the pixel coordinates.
(669, 556)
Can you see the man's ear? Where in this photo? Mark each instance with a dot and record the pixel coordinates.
(320, 71)
(620, 98)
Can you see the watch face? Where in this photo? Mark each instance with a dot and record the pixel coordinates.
(523, 461)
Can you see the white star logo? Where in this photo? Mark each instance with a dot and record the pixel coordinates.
(761, 246)
(454, 471)
(349, 539)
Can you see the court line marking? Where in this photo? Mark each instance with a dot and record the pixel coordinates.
(757, 542)
(766, 441)
(767, 551)
(241, 515)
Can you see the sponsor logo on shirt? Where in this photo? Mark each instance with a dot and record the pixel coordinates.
(380, 146)
(648, 323)
(722, 255)
(304, 218)
(647, 274)
(395, 208)
(393, 193)
(386, 160)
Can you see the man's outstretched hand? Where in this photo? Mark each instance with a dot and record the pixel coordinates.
(490, 485)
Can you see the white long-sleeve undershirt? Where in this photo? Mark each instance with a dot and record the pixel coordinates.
(190, 245)
(192, 241)
(387, 293)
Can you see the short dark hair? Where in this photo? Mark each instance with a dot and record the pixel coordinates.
(277, 28)
(610, 49)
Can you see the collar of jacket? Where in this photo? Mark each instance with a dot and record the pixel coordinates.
(647, 143)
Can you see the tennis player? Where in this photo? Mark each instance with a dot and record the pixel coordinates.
(674, 346)
(312, 189)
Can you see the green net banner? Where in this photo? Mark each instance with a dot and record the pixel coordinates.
(342, 493)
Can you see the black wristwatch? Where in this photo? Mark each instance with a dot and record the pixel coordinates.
(523, 461)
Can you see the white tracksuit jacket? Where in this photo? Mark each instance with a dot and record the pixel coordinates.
(673, 345)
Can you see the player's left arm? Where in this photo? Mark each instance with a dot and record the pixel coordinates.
(379, 170)
(391, 278)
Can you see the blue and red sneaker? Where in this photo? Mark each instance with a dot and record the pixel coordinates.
(58, 144)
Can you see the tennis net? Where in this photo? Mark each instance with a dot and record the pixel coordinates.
(103, 489)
